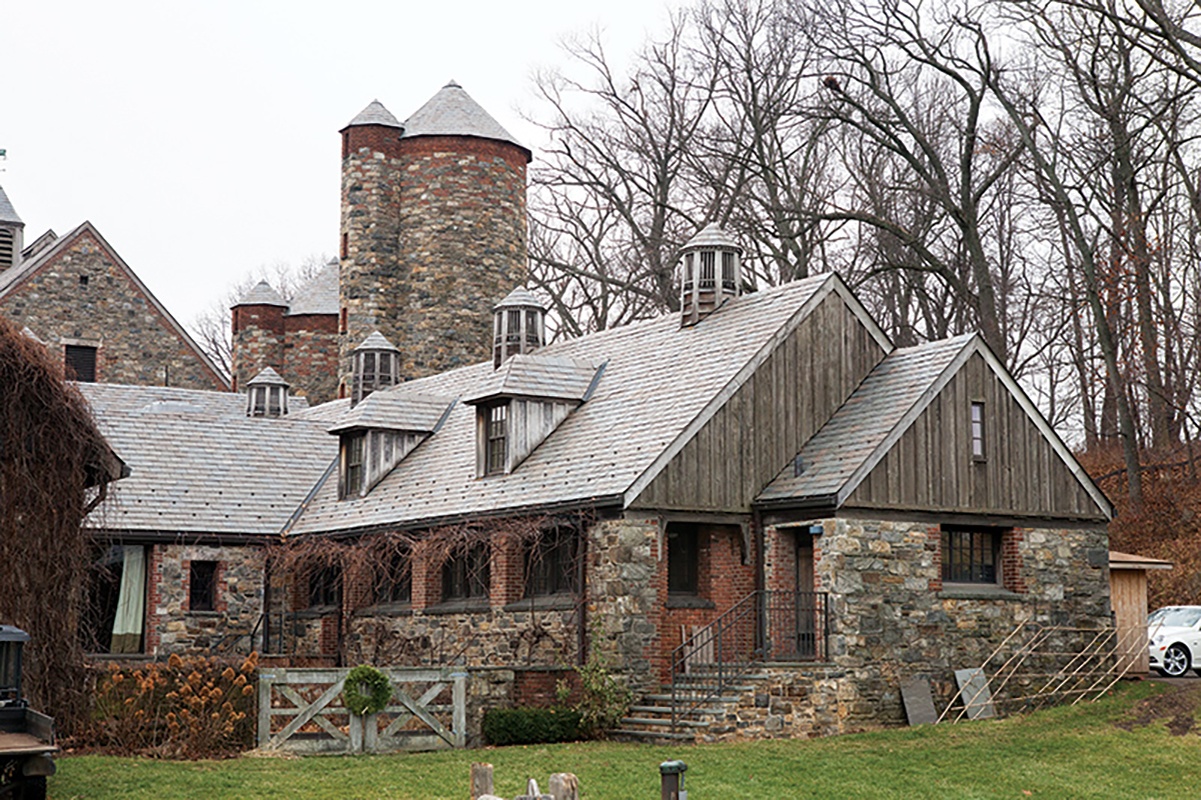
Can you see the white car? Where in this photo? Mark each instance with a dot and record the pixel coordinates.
(1174, 633)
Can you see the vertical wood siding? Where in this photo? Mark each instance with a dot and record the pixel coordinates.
(931, 466)
(763, 425)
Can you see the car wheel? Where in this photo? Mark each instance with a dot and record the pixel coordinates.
(1175, 661)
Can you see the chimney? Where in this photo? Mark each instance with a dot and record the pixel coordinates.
(518, 325)
(710, 273)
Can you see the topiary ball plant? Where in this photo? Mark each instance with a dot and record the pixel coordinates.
(366, 691)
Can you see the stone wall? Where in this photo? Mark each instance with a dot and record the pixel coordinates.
(891, 617)
(84, 296)
(172, 627)
(433, 236)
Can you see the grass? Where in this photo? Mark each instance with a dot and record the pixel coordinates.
(1072, 752)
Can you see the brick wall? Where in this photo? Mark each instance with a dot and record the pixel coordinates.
(310, 355)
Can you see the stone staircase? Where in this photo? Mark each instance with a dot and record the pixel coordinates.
(650, 717)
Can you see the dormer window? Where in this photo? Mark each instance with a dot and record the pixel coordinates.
(518, 326)
(267, 395)
(353, 450)
(497, 434)
(376, 365)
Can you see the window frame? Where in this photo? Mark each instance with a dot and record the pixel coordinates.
(467, 574)
(325, 587)
(354, 465)
(69, 365)
(967, 563)
(978, 429)
(202, 588)
(395, 586)
(496, 439)
(552, 563)
(683, 563)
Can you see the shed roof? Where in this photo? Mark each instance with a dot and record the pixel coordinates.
(537, 375)
(1129, 561)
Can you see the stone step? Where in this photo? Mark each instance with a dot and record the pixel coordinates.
(687, 698)
(678, 737)
(695, 712)
(658, 722)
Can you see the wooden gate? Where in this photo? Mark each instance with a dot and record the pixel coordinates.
(301, 711)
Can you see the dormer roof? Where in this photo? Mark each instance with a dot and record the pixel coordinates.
(376, 341)
(261, 294)
(538, 376)
(8, 214)
(375, 114)
(453, 112)
(712, 236)
(396, 410)
(268, 377)
(520, 298)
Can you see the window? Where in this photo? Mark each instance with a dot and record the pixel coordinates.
(202, 586)
(688, 262)
(83, 280)
(496, 437)
(396, 582)
(8, 248)
(977, 431)
(352, 464)
(325, 587)
(80, 363)
(551, 566)
(683, 559)
(970, 555)
(113, 620)
(466, 574)
(708, 269)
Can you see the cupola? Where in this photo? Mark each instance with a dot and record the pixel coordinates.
(11, 231)
(376, 365)
(710, 273)
(518, 326)
(267, 395)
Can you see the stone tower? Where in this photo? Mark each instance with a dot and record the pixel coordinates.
(433, 230)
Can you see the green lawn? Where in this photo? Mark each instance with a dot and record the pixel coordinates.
(1063, 753)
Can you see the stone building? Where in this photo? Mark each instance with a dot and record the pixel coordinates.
(78, 296)
(433, 234)
(761, 477)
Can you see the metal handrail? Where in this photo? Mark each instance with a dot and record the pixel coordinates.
(750, 632)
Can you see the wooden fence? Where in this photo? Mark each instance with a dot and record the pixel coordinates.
(300, 711)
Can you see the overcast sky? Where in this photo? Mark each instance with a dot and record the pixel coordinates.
(202, 138)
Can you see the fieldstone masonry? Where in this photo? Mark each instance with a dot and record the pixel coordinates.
(84, 296)
(172, 627)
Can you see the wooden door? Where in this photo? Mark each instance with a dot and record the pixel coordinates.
(806, 616)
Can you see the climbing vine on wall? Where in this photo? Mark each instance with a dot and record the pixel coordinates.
(54, 467)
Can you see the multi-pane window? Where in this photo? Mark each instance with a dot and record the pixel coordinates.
(396, 583)
(551, 564)
(683, 559)
(325, 586)
(353, 446)
(466, 574)
(688, 266)
(970, 555)
(496, 435)
(978, 431)
(533, 329)
(202, 586)
(80, 363)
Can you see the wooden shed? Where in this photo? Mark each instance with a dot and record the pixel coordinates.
(1128, 594)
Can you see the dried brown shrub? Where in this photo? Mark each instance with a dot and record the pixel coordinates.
(192, 707)
(50, 453)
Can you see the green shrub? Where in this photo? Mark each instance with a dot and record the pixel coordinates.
(504, 726)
